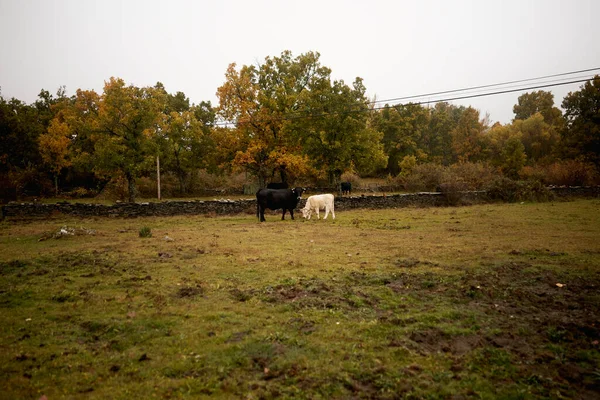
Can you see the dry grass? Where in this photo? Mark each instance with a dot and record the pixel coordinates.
(412, 302)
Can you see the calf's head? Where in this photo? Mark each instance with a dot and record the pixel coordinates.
(306, 212)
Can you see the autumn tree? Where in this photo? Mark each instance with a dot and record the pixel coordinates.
(287, 112)
(125, 122)
(581, 138)
(258, 100)
(54, 148)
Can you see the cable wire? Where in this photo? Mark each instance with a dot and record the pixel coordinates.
(291, 116)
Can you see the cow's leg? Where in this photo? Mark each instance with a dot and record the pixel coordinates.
(283, 214)
(292, 212)
(262, 214)
(332, 211)
(318, 209)
(326, 212)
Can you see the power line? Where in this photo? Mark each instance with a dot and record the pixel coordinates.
(291, 116)
(495, 93)
(488, 86)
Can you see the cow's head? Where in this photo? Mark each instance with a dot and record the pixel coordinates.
(298, 192)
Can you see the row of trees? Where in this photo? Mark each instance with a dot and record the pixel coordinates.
(284, 119)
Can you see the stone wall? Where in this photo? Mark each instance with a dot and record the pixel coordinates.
(248, 206)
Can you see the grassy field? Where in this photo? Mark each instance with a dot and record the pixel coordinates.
(488, 301)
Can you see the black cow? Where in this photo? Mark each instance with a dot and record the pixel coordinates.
(277, 185)
(274, 199)
(346, 187)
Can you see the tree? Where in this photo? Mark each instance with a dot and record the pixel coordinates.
(286, 110)
(507, 152)
(259, 100)
(185, 144)
(581, 138)
(126, 120)
(340, 137)
(467, 136)
(538, 137)
(443, 120)
(54, 148)
(541, 102)
(405, 129)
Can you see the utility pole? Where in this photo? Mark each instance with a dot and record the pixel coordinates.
(158, 176)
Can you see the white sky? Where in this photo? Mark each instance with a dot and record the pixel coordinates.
(399, 48)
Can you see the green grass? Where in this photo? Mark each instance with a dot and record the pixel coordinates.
(415, 303)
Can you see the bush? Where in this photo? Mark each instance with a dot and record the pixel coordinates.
(563, 173)
(145, 232)
(572, 173)
(474, 176)
(534, 173)
(424, 177)
(116, 189)
(352, 178)
(452, 189)
(509, 190)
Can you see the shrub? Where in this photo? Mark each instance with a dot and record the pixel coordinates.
(534, 173)
(145, 232)
(352, 178)
(506, 189)
(424, 177)
(474, 176)
(116, 189)
(452, 189)
(572, 173)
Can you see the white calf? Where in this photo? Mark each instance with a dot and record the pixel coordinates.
(316, 203)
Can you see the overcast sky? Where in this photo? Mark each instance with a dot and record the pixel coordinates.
(399, 48)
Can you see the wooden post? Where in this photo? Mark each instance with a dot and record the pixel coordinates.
(158, 176)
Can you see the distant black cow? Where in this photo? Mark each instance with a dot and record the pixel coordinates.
(346, 187)
(277, 185)
(274, 199)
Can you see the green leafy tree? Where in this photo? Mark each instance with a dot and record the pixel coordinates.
(538, 137)
(443, 120)
(541, 102)
(405, 129)
(506, 150)
(340, 137)
(581, 138)
(185, 145)
(467, 137)
(125, 123)
(20, 128)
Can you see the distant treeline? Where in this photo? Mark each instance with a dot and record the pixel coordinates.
(284, 120)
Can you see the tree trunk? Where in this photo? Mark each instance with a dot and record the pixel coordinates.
(181, 176)
(56, 185)
(131, 187)
(262, 180)
(283, 175)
